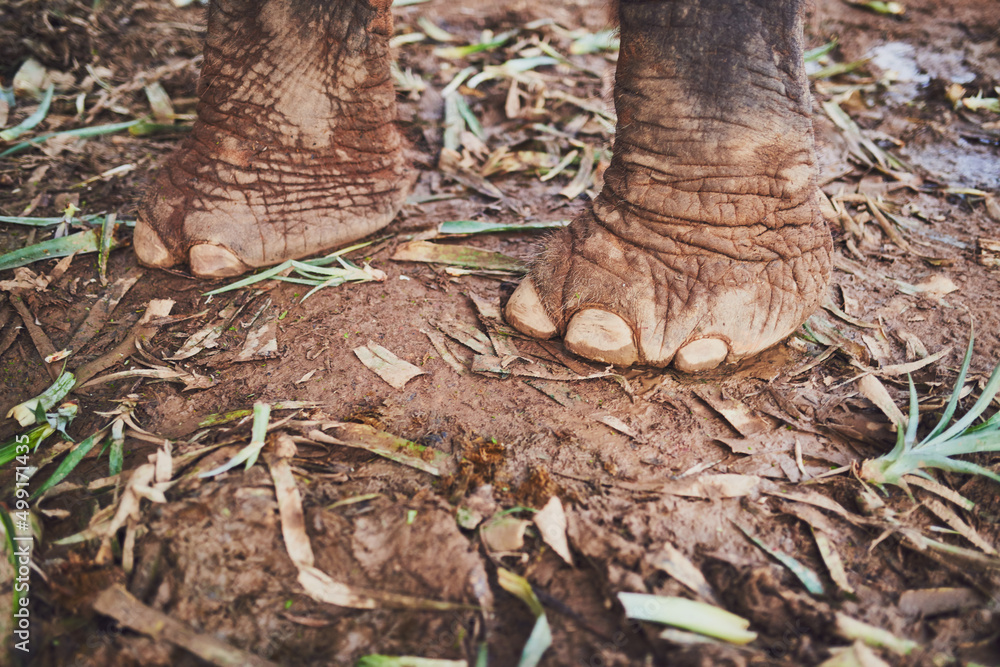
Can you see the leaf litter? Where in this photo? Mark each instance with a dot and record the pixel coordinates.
(542, 86)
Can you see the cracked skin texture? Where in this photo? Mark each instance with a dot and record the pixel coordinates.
(294, 151)
(705, 245)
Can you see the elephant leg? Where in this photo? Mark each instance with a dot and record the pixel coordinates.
(294, 151)
(706, 243)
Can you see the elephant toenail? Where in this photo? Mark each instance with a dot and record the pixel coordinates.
(149, 248)
(212, 261)
(701, 355)
(601, 336)
(526, 313)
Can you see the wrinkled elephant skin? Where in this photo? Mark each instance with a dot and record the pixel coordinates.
(706, 244)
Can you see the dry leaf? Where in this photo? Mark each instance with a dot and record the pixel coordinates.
(737, 414)
(937, 286)
(387, 365)
(261, 343)
(956, 523)
(618, 425)
(551, 522)
(722, 485)
(873, 389)
(293, 523)
(503, 534)
(677, 565)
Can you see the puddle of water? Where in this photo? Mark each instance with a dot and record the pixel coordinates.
(898, 61)
(910, 70)
(959, 165)
(898, 64)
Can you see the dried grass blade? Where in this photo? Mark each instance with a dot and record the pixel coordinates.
(119, 604)
(475, 258)
(144, 329)
(102, 309)
(955, 522)
(831, 558)
(394, 448)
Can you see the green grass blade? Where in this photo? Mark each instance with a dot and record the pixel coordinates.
(324, 271)
(520, 588)
(953, 465)
(88, 241)
(145, 128)
(470, 118)
(538, 642)
(250, 280)
(31, 121)
(83, 133)
(949, 410)
(272, 272)
(336, 256)
(8, 532)
(456, 227)
(36, 436)
(991, 424)
(116, 455)
(699, 617)
(977, 443)
(901, 445)
(249, 454)
(604, 40)
(331, 282)
(27, 413)
(911, 426)
(457, 81)
(47, 222)
(299, 281)
(71, 461)
(459, 52)
(804, 574)
(819, 51)
(989, 392)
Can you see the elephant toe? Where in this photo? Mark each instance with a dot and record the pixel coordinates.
(526, 313)
(601, 336)
(213, 261)
(703, 354)
(149, 247)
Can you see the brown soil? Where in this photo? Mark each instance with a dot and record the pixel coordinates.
(213, 557)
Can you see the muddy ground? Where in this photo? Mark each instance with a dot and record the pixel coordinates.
(655, 470)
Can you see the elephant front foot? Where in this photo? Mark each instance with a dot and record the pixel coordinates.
(295, 150)
(224, 220)
(682, 293)
(706, 243)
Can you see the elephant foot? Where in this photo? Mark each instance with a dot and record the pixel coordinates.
(634, 301)
(295, 149)
(706, 244)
